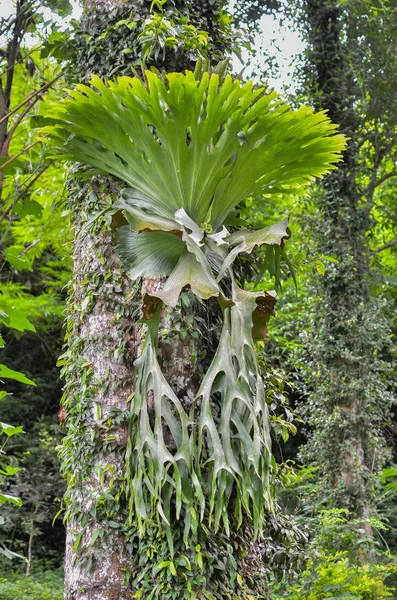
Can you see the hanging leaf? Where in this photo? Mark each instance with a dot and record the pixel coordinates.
(12, 256)
(14, 318)
(265, 304)
(10, 430)
(7, 373)
(237, 444)
(191, 271)
(161, 454)
(12, 499)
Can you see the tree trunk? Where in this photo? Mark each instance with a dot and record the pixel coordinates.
(103, 341)
(104, 558)
(346, 408)
(30, 542)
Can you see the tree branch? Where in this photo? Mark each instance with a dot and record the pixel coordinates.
(44, 88)
(26, 250)
(23, 193)
(384, 178)
(6, 143)
(19, 153)
(7, 23)
(21, 60)
(373, 185)
(12, 51)
(385, 246)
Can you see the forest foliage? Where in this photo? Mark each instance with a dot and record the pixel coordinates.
(315, 546)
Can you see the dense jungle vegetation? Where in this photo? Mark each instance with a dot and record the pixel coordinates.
(154, 442)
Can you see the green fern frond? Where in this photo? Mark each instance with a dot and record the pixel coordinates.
(201, 145)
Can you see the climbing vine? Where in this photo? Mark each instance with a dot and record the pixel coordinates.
(169, 36)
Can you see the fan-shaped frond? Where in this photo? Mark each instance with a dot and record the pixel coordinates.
(200, 145)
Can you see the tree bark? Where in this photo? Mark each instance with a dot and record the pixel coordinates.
(96, 409)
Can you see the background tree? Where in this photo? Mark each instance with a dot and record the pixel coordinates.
(345, 70)
(351, 398)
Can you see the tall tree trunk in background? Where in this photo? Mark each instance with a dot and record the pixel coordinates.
(103, 555)
(344, 288)
(346, 407)
(17, 29)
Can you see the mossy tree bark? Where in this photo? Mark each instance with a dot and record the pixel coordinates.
(103, 342)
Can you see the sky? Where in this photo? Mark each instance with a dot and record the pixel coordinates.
(283, 43)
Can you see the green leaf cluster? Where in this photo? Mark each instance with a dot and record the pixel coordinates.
(46, 586)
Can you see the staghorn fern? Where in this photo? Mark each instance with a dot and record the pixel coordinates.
(191, 149)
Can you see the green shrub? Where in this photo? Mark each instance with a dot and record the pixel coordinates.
(335, 570)
(335, 577)
(41, 586)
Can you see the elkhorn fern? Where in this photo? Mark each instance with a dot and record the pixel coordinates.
(190, 150)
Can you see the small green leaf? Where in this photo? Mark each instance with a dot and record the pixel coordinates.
(12, 499)
(98, 410)
(95, 536)
(113, 524)
(320, 267)
(328, 258)
(16, 319)
(77, 541)
(16, 375)
(60, 511)
(10, 430)
(9, 470)
(18, 262)
(31, 207)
